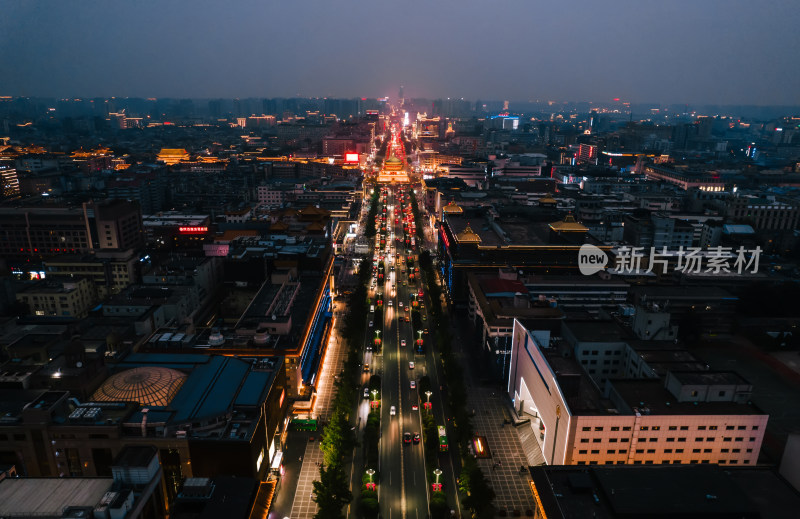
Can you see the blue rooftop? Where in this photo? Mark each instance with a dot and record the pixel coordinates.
(255, 388)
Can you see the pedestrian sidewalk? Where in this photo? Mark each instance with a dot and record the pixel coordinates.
(303, 506)
(511, 485)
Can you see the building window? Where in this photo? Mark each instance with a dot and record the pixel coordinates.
(626, 428)
(729, 428)
(612, 440)
(670, 439)
(684, 427)
(586, 429)
(598, 428)
(611, 451)
(667, 451)
(623, 451)
(755, 427)
(582, 451)
(595, 451)
(712, 427)
(726, 439)
(678, 451)
(681, 439)
(643, 428)
(584, 440)
(695, 451)
(701, 427)
(615, 428)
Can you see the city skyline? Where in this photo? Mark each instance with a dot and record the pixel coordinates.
(716, 52)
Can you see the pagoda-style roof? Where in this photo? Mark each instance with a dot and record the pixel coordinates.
(547, 200)
(452, 208)
(279, 226)
(468, 236)
(568, 225)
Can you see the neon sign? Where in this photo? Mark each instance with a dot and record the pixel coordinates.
(192, 230)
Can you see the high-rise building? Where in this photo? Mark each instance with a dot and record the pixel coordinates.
(9, 183)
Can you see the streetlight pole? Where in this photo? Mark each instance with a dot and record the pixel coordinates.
(437, 473)
(428, 394)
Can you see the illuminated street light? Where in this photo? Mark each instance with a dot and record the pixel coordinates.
(437, 473)
(370, 473)
(374, 394)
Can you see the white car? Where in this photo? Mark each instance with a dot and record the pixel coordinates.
(392, 411)
(403, 342)
(411, 365)
(371, 324)
(390, 303)
(413, 384)
(400, 304)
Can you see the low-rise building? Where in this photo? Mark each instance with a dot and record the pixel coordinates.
(59, 297)
(681, 417)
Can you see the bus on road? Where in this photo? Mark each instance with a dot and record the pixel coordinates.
(442, 439)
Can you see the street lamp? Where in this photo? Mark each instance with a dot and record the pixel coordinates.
(437, 473)
(428, 394)
(370, 473)
(374, 394)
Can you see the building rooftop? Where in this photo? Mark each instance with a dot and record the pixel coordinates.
(149, 386)
(596, 331)
(22, 497)
(650, 397)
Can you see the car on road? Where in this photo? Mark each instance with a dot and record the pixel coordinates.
(366, 392)
(403, 342)
(400, 304)
(411, 365)
(371, 324)
(414, 407)
(392, 411)
(366, 367)
(413, 384)
(416, 437)
(406, 437)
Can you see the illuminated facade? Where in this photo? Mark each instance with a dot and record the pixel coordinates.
(689, 417)
(9, 183)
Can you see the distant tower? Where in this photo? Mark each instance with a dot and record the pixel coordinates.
(400, 97)
(505, 106)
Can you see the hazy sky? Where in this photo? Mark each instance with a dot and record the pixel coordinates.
(694, 51)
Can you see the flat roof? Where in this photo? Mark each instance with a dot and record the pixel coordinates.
(596, 331)
(657, 491)
(710, 377)
(49, 496)
(704, 490)
(651, 394)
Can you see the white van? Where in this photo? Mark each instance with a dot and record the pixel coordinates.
(372, 309)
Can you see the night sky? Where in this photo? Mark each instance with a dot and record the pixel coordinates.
(693, 51)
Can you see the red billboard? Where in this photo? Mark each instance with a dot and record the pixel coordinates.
(351, 157)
